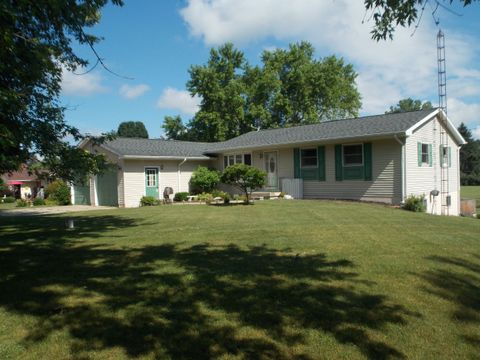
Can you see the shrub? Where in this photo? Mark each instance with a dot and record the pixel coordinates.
(58, 191)
(181, 196)
(470, 179)
(22, 203)
(204, 180)
(221, 194)
(244, 177)
(8, 200)
(149, 201)
(239, 197)
(206, 197)
(38, 202)
(415, 203)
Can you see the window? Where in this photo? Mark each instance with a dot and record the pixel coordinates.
(425, 156)
(237, 159)
(445, 156)
(308, 158)
(151, 177)
(353, 155)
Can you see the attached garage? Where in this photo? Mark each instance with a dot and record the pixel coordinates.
(107, 188)
(81, 195)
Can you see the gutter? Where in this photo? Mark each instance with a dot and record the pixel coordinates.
(403, 167)
(179, 173)
(153, 157)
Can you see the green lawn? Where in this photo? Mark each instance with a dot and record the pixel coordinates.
(276, 280)
(7, 206)
(471, 192)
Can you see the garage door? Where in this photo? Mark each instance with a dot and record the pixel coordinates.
(81, 195)
(107, 189)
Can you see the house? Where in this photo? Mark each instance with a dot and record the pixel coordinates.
(383, 158)
(22, 183)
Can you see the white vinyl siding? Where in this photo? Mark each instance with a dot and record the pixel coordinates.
(134, 177)
(386, 185)
(420, 180)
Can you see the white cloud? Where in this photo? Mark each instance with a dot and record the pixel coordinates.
(81, 85)
(459, 111)
(133, 91)
(388, 70)
(179, 100)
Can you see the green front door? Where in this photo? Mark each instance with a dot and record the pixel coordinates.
(107, 188)
(151, 182)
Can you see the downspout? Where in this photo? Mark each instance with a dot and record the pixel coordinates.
(403, 167)
(178, 173)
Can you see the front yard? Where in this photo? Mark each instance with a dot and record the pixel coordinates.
(276, 280)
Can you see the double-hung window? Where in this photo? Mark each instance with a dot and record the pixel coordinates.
(353, 155)
(237, 159)
(425, 155)
(308, 158)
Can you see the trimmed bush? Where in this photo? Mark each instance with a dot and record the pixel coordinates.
(222, 194)
(58, 191)
(181, 196)
(149, 201)
(415, 203)
(38, 202)
(204, 180)
(244, 177)
(8, 200)
(22, 203)
(205, 197)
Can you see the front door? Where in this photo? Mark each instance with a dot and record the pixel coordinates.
(271, 169)
(151, 182)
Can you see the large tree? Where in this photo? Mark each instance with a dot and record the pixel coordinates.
(220, 86)
(388, 14)
(294, 88)
(289, 88)
(132, 129)
(409, 104)
(469, 155)
(35, 45)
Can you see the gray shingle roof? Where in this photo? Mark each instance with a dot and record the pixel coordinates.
(368, 126)
(377, 125)
(157, 147)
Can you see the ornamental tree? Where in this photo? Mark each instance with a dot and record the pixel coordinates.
(244, 177)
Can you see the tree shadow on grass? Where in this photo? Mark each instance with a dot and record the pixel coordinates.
(187, 302)
(458, 281)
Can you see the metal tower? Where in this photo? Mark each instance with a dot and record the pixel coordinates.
(444, 155)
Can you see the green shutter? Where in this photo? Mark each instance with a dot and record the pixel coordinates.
(296, 163)
(449, 156)
(321, 163)
(367, 160)
(430, 155)
(338, 163)
(419, 153)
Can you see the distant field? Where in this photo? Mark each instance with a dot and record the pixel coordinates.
(471, 192)
(276, 280)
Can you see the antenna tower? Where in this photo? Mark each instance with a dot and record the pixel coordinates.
(444, 156)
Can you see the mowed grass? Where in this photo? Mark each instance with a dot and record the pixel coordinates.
(471, 192)
(276, 280)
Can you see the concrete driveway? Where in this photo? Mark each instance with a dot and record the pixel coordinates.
(48, 210)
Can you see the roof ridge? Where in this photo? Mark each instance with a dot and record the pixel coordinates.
(331, 121)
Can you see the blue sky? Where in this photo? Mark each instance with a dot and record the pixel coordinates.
(155, 42)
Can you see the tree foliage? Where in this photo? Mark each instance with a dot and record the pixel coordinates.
(174, 128)
(409, 104)
(469, 158)
(204, 180)
(290, 87)
(388, 14)
(132, 129)
(244, 177)
(35, 45)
